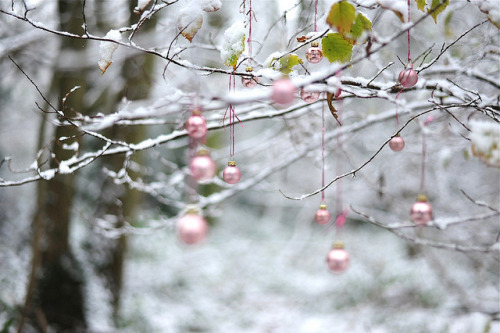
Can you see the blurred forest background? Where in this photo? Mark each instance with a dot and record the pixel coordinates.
(87, 222)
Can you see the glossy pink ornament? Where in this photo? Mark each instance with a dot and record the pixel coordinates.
(249, 81)
(322, 215)
(397, 143)
(314, 54)
(231, 173)
(196, 125)
(283, 92)
(202, 166)
(408, 77)
(192, 228)
(309, 96)
(421, 211)
(338, 258)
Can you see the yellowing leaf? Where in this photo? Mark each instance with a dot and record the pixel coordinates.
(189, 23)
(360, 24)
(336, 48)
(420, 4)
(288, 61)
(341, 16)
(437, 7)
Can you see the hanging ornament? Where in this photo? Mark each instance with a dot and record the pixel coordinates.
(314, 54)
(249, 81)
(338, 258)
(408, 77)
(192, 228)
(231, 173)
(196, 125)
(202, 166)
(397, 143)
(309, 96)
(322, 215)
(421, 211)
(283, 91)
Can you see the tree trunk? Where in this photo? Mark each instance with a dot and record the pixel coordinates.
(59, 300)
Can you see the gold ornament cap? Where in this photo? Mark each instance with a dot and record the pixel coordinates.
(322, 206)
(249, 69)
(192, 209)
(231, 163)
(203, 152)
(315, 44)
(338, 245)
(422, 198)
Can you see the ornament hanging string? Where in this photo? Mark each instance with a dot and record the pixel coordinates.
(409, 56)
(409, 62)
(315, 15)
(323, 151)
(341, 212)
(251, 15)
(424, 153)
(232, 116)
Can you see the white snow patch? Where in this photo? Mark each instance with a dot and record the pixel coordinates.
(485, 140)
(106, 49)
(74, 146)
(233, 43)
(209, 5)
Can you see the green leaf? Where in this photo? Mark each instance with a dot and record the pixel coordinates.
(341, 16)
(360, 24)
(437, 7)
(447, 21)
(336, 48)
(288, 61)
(420, 4)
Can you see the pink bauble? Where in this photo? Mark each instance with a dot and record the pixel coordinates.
(337, 260)
(192, 228)
(196, 126)
(322, 216)
(249, 81)
(421, 212)
(309, 96)
(202, 167)
(314, 55)
(283, 92)
(231, 174)
(397, 143)
(408, 77)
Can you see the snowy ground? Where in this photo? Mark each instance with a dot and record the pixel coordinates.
(269, 275)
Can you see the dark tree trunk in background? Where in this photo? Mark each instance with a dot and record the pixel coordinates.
(119, 201)
(59, 301)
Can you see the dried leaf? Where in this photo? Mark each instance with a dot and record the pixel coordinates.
(189, 23)
(397, 7)
(106, 50)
